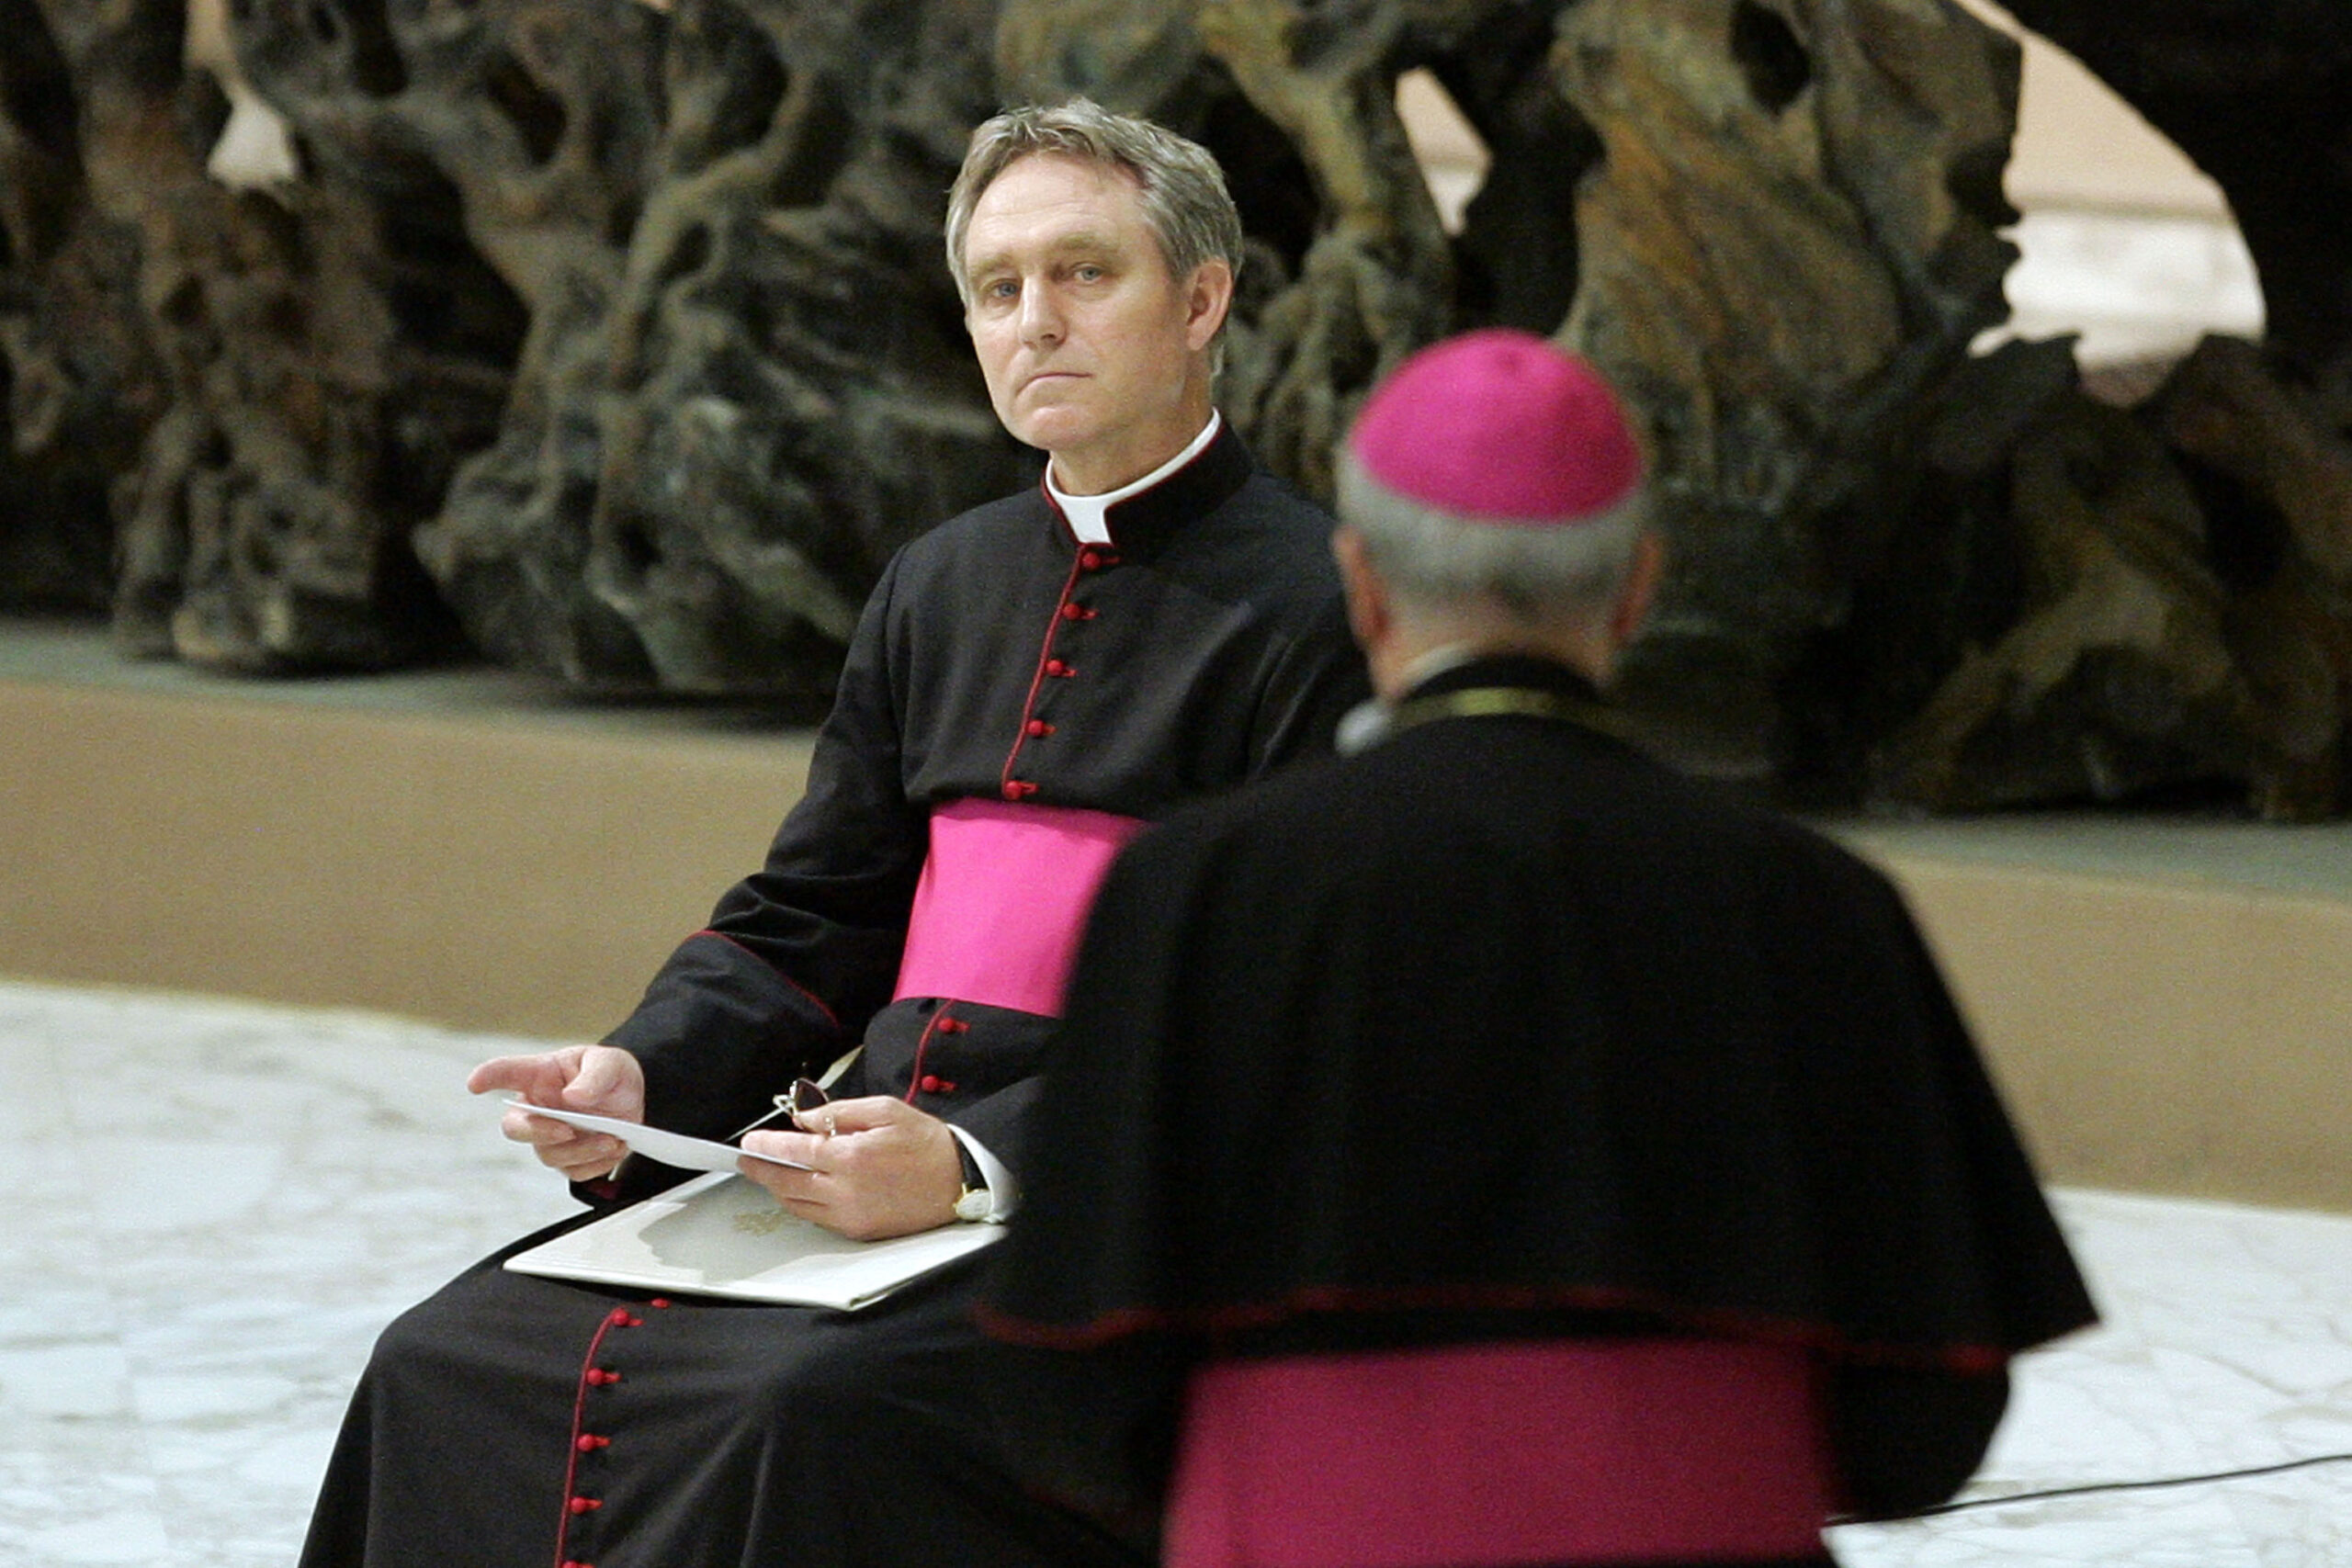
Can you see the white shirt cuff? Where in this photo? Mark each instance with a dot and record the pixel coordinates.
(1004, 1193)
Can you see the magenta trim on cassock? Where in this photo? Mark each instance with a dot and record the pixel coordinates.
(1003, 898)
(1621, 1450)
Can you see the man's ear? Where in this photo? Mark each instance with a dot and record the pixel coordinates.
(1634, 599)
(1371, 614)
(1209, 297)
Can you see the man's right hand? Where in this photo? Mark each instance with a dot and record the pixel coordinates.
(600, 1079)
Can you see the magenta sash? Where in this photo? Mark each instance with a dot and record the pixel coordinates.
(1003, 899)
(1548, 1451)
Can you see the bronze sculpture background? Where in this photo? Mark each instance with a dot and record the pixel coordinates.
(614, 343)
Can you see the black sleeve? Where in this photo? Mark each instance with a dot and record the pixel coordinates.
(1908, 1438)
(799, 954)
(1318, 677)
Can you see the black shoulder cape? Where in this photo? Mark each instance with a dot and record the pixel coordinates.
(1502, 1017)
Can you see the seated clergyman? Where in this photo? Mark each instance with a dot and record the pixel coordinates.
(1494, 1147)
(1031, 682)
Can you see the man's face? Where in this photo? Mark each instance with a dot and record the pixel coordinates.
(1092, 351)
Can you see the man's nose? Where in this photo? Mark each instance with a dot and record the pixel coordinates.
(1041, 316)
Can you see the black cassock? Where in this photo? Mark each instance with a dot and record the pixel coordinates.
(1496, 1032)
(512, 1420)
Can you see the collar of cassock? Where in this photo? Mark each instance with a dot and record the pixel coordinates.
(1138, 517)
(1461, 685)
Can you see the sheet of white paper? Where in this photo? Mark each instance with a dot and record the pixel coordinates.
(720, 1235)
(670, 1148)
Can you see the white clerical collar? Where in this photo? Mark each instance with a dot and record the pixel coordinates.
(1089, 515)
(1366, 724)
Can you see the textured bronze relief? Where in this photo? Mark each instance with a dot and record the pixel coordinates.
(614, 342)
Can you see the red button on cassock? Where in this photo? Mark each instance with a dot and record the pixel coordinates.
(589, 1443)
(1039, 727)
(931, 1083)
(584, 1504)
(1056, 667)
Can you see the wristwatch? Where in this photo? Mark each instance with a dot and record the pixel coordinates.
(975, 1202)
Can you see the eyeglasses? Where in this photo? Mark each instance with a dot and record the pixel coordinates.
(804, 1096)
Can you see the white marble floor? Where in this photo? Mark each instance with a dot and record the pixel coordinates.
(214, 1205)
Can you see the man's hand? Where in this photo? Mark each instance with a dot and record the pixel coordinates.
(883, 1168)
(601, 1079)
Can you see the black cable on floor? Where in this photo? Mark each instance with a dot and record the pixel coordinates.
(1968, 1503)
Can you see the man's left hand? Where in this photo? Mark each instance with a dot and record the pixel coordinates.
(882, 1167)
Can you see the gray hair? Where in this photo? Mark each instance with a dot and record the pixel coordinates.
(1439, 559)
(1185, 204)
